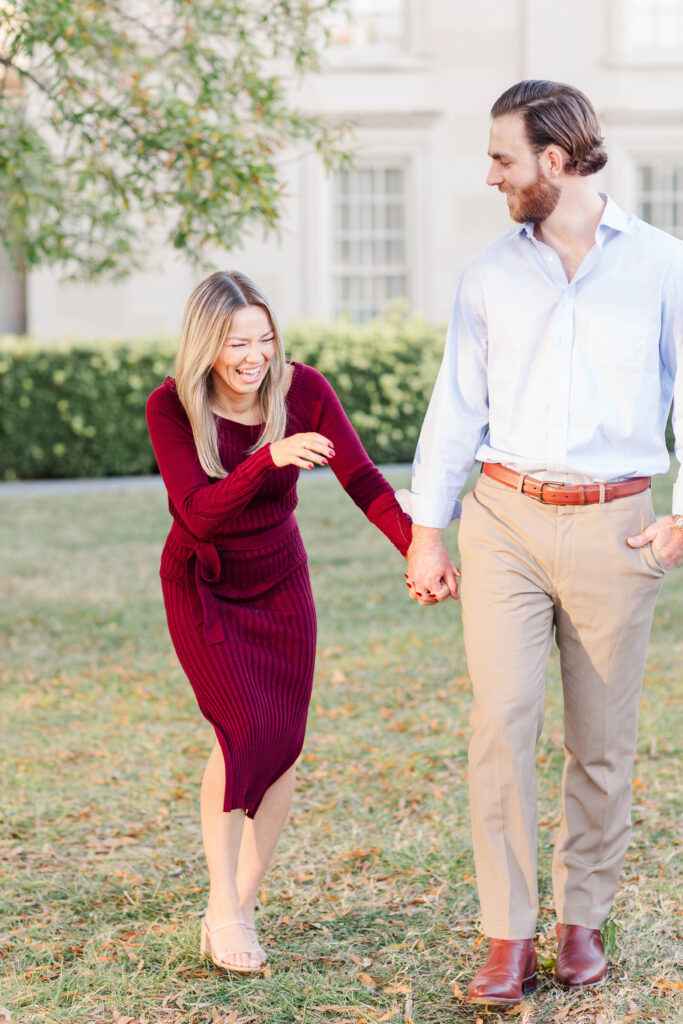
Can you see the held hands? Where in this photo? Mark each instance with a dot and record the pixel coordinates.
(302, 450)
(431, 575)
(666, 537)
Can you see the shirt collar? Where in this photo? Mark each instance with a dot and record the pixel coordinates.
(613, 217)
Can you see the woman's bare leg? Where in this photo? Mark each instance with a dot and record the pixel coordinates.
(259, 839)
(222, 834)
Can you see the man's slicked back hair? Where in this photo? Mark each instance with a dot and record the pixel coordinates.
(560, 115)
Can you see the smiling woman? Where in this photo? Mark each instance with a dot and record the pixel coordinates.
(227, 321)
(231, 434)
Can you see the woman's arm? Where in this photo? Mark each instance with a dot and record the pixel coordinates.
(357, 474)
(205, 507)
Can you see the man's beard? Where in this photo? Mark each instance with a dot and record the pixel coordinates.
(535, 202)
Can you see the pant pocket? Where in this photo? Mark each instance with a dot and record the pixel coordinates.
(652, 562)
(657, 559)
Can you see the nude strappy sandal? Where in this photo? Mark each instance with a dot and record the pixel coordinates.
(260, 951)
(206, 949)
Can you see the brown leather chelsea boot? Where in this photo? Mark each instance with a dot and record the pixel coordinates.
(508, 974)
(580, 956)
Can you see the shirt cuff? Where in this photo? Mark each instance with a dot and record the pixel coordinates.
(434, 512)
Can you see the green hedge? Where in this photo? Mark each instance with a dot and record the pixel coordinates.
(77, 410)
(383, 374)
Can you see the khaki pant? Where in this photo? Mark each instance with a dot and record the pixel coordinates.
(531, 571)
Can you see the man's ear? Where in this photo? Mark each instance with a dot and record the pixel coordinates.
(555, 160)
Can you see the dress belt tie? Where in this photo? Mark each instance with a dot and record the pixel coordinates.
(204, 570)
(207, 570)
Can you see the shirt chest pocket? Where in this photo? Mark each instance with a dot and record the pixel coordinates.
(623, 338)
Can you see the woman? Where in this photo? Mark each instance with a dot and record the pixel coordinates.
(231, 434)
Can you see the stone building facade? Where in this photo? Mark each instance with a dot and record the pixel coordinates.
(416, 78)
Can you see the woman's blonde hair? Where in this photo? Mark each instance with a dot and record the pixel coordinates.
(206, 324)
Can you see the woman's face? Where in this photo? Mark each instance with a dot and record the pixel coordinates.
(244, 359)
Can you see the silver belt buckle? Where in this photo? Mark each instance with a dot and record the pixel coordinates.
(548, 483)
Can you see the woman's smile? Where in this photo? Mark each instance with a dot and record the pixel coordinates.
(250, 374)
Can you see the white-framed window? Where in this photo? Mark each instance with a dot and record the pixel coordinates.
(370, 26)
(660, 194)
(369, 265)
(650, 30)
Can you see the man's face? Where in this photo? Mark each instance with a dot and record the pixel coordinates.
(516, 171)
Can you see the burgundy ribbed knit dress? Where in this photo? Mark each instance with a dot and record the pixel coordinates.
(235, 581)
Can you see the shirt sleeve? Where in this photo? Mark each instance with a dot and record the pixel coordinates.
(457, 415)
(672, 360)
(206, 506)
(356, 472)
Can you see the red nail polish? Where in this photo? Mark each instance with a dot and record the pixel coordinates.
(406, 575)
(324, 462)
(310, 465)
(418, 593)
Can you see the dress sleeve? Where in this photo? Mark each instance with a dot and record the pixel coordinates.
(352, 466)
(205, 506)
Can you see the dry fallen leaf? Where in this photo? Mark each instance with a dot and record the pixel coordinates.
(178, 999)
(668, 984)
(400, 988)
(561, 1014)
(366, 980)
(456, 990)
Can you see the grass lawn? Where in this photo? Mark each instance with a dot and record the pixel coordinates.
(369, 912)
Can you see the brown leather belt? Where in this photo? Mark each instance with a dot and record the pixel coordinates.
(553, 492)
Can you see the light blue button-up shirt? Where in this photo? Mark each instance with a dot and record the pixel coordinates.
(554, 377)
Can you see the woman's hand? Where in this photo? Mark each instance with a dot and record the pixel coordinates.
(302, 450)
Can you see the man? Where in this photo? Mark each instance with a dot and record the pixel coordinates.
(559, 368)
